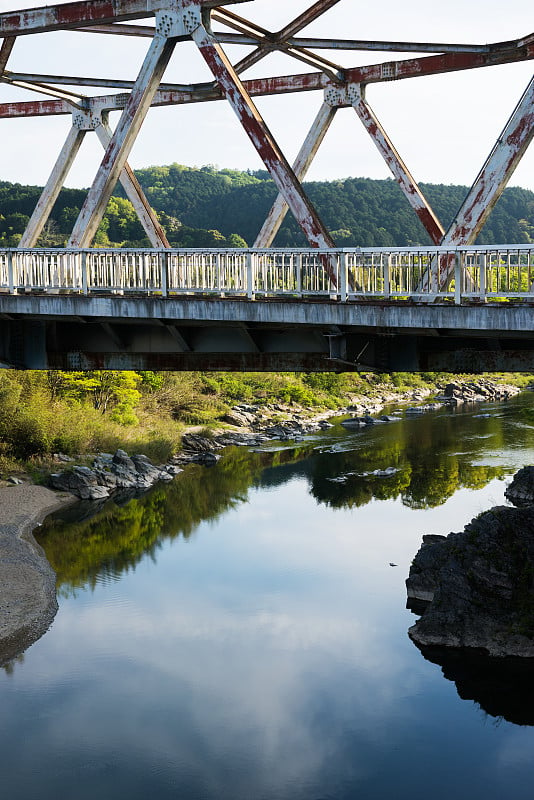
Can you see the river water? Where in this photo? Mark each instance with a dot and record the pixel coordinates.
(241, 634)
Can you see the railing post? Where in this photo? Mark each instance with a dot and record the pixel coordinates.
(10, 282)
(250, 276)
(218, 271)
(387, 280)
(343, 275)
(164, 270)
(298, 287)
(84, 273)
(457, 277)
(482, 276)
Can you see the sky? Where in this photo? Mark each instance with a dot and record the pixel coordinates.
(443, 126)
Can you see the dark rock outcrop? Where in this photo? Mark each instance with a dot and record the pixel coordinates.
(476, 392)
(476, 588)
(521, 490)
(110, 474)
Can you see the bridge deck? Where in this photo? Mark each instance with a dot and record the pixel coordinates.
(458, 310)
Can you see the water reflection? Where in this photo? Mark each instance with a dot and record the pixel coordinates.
(415, 460)
(259, 650)
(502, 687)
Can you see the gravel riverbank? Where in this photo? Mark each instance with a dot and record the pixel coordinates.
(27, 582)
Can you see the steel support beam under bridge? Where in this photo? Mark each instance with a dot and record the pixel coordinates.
(77, 332)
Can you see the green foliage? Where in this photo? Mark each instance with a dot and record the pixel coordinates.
(190, 201)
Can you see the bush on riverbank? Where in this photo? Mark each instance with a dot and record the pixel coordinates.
(47, 412)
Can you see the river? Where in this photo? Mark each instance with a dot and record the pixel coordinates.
(241, 634)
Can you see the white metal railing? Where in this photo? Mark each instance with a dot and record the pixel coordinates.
(420, 274)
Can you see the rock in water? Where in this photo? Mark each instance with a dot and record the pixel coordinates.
(475, 589)
(521, 490)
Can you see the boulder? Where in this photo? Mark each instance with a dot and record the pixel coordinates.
(475, 588)
(521, 490)
(239, 418)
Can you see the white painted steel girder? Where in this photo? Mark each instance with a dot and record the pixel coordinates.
(53, 186)
(135, 194)
(401, 173)
(139, 101)
(302, 163)
(261, 137)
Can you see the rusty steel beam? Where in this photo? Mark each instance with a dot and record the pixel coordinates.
(272, 41)
(37, 80)
(307, 153)
(496, 173)
(398, 168)
(53, 186)
(438, 65)
(487, 188)
(34, 108)
(261, 137)
(135, 194)
(79, 14)
(305, 82)
(128, 127)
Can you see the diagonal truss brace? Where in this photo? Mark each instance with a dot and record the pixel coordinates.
(488, 186)
(496, 172)
(356, 97)
(82, 123)
(258, 132)
(307, 153)
(53, 186)
(139, 101)
(135, 194)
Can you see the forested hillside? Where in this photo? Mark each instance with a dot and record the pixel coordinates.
(207, 207)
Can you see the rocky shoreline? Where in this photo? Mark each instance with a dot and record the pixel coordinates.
(252, 426)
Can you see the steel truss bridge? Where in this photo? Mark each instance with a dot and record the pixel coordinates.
(268, 309)
(42, 329)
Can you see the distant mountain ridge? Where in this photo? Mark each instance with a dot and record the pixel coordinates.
(207, 206)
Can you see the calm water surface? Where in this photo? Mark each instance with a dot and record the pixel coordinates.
(241, 635)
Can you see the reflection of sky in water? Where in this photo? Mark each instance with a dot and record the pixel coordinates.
(266, 657)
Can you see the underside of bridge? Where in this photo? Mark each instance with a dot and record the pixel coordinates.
(199, 334)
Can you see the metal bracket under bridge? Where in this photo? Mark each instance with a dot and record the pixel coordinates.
(455, 309)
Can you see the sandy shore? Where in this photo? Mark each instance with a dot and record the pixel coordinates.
(27, 581)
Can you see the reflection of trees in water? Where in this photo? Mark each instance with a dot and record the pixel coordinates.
(502, 687)
(433, 457)
(426, 453)
(115, 539)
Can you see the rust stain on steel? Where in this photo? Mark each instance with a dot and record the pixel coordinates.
(263, 141)
(497, 171)
(37, 108)
(399, 169)
(208, 362)
(435, 65)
